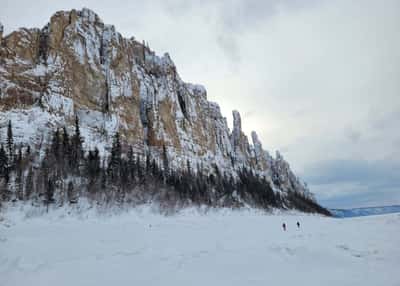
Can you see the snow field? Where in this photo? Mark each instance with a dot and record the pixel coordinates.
(221, 247)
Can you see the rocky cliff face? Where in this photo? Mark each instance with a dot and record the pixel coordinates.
(77, 65)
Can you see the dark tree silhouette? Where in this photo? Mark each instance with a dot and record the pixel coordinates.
(131, 178)
(10, 143)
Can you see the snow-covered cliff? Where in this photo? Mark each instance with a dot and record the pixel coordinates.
(77, 65)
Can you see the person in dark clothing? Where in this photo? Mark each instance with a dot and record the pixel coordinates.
(284, 226)
(298, 225)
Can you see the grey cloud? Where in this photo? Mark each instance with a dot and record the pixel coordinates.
(382, 119)
(230, 47)
(351, 183)
(353, 135)
(237, 16)
(357, 196)
(380, 173)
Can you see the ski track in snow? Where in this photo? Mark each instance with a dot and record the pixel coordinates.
(191, 248)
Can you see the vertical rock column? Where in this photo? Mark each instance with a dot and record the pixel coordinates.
(1, 32)
(237, 129)
(259, 152)
(240, 142)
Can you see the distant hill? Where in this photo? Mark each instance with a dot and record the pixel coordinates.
(365, 211)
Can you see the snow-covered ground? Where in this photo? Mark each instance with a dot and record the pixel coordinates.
(217, 248)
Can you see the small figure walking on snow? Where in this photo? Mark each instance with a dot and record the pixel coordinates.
(284, 226)
(298, 225)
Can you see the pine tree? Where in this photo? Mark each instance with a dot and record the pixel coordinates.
(10, 143)
(27, 154)
(77, 149)
(4, 176)
(189, 171)
(139, 169)
(131, 164)
(55, 145)
(114, 165)
(29, 186)
(96, 162)
(93, 169)
(103, 183)
(124, 175)
(71, 193)
(165, 161)
(154, 169)
(19, 158)
(66, 149)
(148, 163)
(19, 184)
(3, 162)
(49, 192)
(93, 164)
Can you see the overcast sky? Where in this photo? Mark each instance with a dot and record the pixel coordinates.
(317, 80)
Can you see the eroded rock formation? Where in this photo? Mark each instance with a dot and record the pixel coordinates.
(77, 65)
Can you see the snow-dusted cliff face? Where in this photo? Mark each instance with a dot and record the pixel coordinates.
(77, 65)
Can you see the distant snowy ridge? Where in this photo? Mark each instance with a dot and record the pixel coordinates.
(366, 211)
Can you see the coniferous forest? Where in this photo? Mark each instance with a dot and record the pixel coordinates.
(66, 173)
